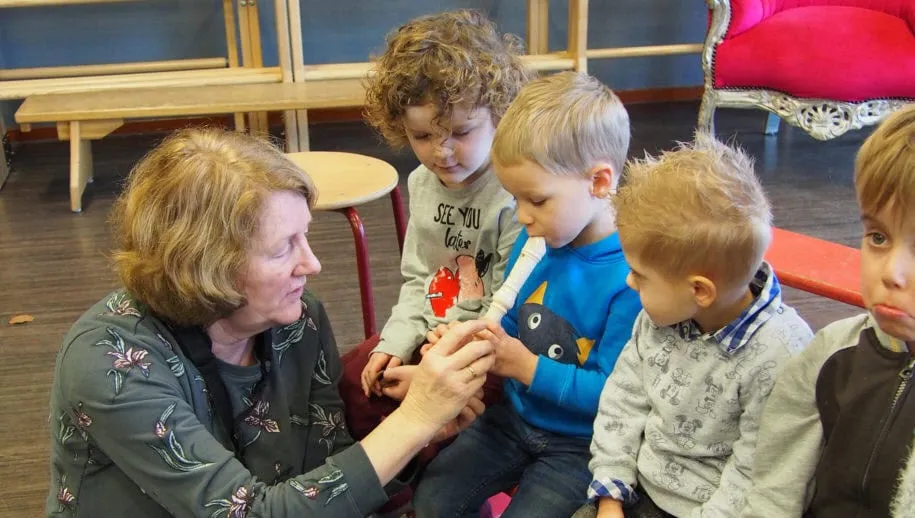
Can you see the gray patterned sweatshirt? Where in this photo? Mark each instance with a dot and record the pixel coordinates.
(680, 412)
(133, 433)
(454, 256)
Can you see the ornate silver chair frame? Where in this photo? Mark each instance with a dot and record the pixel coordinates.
(823, 119)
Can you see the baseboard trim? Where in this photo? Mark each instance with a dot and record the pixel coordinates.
(327, 115)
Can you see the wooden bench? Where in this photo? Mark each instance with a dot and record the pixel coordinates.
(816, 266)
(85, 116)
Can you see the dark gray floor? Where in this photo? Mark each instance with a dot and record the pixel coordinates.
(53, 263)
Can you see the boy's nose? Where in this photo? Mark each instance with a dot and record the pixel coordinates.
(898, 267)
(524, 217)
(443, 150)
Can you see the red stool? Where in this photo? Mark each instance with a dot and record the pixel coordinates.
(344, 181)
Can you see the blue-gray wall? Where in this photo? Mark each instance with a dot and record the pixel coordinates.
(336, 31)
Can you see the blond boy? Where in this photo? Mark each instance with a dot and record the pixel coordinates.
(559, 151)
(676, 427)
(841, 417)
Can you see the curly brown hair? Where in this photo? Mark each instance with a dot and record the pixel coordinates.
(450, 58)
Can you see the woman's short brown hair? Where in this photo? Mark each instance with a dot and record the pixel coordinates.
(451, 58)
(184, 225)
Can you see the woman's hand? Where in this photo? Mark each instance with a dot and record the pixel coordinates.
(468, 415)
(451, 373)
(433, 336)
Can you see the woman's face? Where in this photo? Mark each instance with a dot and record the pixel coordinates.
(278, 263)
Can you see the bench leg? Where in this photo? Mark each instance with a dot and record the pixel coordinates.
(292, 131)
(301, 117)
(80, 166)
(239, 119)
(4, 159)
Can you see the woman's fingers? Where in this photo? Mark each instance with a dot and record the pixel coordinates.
(457, 337)
(472, 354)
(476, 404)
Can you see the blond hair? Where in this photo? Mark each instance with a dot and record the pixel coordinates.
(449, 59)
(565, 123)
(183, 227)
(698, 209)
(885, 165)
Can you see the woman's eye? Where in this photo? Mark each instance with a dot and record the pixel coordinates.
(538, 203)
(461, 133)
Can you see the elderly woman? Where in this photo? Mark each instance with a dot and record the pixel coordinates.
(207, 386)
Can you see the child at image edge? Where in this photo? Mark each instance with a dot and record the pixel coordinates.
(838, 428)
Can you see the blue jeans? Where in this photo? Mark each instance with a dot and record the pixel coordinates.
(496, 453)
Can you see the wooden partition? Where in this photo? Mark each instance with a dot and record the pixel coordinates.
(243, 63)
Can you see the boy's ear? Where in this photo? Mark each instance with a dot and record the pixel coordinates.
(603, 180)
(704, 290)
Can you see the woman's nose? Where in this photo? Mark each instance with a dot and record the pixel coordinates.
(308, 262)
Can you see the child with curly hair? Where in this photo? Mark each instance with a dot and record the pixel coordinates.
(440, 87)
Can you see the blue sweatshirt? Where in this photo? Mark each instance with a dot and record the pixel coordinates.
(576, 312)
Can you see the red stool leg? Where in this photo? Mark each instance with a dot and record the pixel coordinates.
(362, 264)
(399, 220)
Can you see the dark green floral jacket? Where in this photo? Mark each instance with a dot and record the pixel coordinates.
(133, 433)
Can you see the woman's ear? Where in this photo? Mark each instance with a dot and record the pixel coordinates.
(603, 181)
(704, 290)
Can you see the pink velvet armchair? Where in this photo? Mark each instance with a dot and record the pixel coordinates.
(826, 66)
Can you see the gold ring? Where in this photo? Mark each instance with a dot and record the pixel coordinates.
(472, 372)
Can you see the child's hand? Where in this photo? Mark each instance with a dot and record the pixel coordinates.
(609, 508)
(435, 334)
(513, 359)
(377, 363)
(395, 381)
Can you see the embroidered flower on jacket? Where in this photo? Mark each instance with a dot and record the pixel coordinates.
(120, 304)
(291, 334)
(258, 418)
(174, 362)
(330, 424)
(83, 421)
(321, 375)
(236, 506)
(131, 358)
(173, 452)
(65, 498)
(309, 490)
(124, 359)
